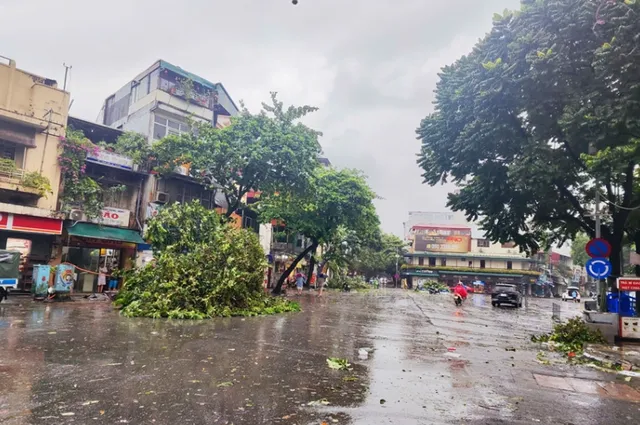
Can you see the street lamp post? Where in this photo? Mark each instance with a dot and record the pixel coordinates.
(395, 278)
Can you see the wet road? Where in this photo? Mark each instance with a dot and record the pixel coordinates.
(82, 363)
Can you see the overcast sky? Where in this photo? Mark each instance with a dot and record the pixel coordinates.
(371, 66)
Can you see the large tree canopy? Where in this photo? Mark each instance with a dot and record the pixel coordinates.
(267, 152)
(515, 119)
(335, 202)
(381, 255)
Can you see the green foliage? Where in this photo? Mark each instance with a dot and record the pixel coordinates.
(578, 253)
(514, 135)
(203, 268)
(7, 164)
(78, 189)
(355, 283)
(271, 152)
(571, 336)
(380, 255)
(37, 181)
(434, 284)
(134, 145)
(335, 202)
(338, 363)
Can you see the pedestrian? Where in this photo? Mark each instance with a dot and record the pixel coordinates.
(321, 281)
(102, 278)
(300, 278)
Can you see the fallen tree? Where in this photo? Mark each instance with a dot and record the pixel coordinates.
(203, 267)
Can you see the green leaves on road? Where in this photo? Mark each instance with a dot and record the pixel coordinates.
(338, 363)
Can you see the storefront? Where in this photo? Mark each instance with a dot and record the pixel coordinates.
(91, 247)
(33, 237)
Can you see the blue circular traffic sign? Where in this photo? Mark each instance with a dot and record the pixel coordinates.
(598, 268)
(598, 248)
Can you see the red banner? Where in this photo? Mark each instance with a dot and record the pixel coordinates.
(30, 224)
(628, 284)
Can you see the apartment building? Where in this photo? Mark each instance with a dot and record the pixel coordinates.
(452, 253)
(33, 116)
(160, 101)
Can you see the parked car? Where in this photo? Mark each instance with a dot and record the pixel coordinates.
(506, 294)
(572, 293)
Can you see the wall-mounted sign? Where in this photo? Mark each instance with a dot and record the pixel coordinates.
(629, 284)
(111, 159)
(30, 224)
(113, 217)
(442, 239)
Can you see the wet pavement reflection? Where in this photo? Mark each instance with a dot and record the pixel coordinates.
(429, 363)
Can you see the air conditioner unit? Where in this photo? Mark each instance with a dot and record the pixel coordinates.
(162, 197)
(76, 215)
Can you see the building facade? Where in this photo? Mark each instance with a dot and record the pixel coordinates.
(111, 240)
(452, 253)
(163, 100)
(33, 116)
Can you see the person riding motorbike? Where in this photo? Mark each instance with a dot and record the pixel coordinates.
(459, 293)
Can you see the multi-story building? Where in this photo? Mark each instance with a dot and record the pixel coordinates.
(33, 115)
(452, 253)
(162, 101)
(112, 239)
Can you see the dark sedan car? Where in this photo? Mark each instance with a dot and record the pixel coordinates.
(506, 294)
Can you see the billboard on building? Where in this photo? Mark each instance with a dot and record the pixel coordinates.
(441, 239)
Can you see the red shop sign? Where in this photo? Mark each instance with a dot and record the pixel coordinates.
(629, 284)
(30, 224)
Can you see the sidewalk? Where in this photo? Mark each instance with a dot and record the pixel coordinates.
(627, 356)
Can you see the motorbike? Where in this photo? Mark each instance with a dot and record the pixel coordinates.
(457, 299)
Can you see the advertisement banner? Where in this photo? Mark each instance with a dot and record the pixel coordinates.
(111, 159)
(30, 224)
(116, 217)
(442, 239)
(65, 277)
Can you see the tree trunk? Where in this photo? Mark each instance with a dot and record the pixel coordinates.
(312, 264)
(616, 264)
(278, 289)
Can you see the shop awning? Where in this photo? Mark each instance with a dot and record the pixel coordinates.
(90, 230)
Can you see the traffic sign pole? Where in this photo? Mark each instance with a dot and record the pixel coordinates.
(601, 292)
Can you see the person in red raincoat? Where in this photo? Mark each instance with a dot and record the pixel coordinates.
(460, 290)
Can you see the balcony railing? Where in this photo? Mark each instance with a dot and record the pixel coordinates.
(11, 172)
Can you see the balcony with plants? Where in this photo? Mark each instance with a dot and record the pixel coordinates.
(30, 184)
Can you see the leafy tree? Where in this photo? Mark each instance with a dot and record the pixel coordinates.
(335, 201)
(514, 122)
(380, 256)
(578, 253)
(269, 152)
(203, 267)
